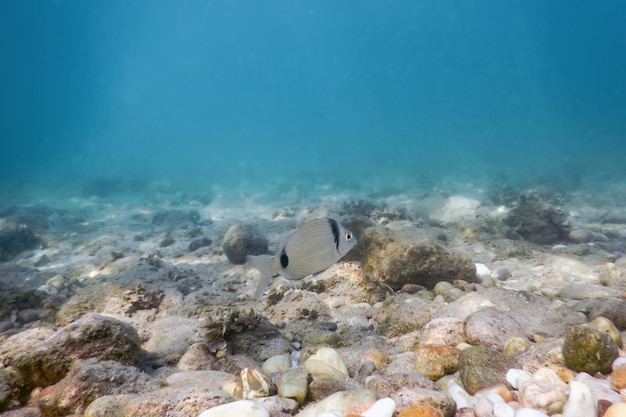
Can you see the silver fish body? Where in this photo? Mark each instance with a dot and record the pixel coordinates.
(310, 249)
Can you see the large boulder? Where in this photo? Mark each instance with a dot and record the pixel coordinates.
(396, 259)
(43, 357)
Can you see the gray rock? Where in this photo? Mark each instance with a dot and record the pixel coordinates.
(403, 314)
(581, 236)
(90, 379)
(396, 259)
(492, 327)
(538, 222)
(241, 240)
(15, 241)
(386, 385)
(44, 360)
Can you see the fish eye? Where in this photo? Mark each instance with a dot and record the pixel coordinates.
(348, 236)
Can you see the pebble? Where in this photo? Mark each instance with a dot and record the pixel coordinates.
(276, 363)
(339, 402)
(544, 392)
(529, 412)
(605, 325)
(616, 410)
(294, 384)
(435, 361)
(381, 408)
(482, 271)
(326, 362)
(420, 410)
(501, 274)
(580, 402)
(242, 408)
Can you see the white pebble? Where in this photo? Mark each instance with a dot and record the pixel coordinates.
(529, 412)
(503, 410)
(381, 408)
(580, 403)
(600, 388)
(482, 271)
(459, 395)
(516, 377)
(242, 408)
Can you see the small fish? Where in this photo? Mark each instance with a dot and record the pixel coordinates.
(310, 249)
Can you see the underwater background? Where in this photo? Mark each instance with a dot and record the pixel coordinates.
(318, 96)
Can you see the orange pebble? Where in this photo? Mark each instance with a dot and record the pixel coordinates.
(420, 410)
(499, 389)
(618, 378)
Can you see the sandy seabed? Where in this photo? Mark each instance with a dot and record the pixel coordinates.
(158, 266)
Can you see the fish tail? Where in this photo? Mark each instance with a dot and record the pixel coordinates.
(264, 266)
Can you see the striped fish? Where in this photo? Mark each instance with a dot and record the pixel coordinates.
(310, 249)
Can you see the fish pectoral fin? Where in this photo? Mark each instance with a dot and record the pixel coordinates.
(264, 265)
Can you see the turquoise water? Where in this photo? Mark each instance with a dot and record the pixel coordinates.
(317, 95)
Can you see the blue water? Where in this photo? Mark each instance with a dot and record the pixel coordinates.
(347, 94)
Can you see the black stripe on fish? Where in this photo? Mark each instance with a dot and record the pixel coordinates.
(335, 228)
(284, 259)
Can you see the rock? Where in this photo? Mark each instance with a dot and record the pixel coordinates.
(381, 408)
(403, 314)
(421, 410)
(196, 358)
(435, 361)
(605, 325)
(538, 222)
(443, 331)
(456, 211)
(169, 339)
(586, 349)
(448, 291)
(544, 391)
(166, 241)
(17, 240)
(294, 384)
(580, 402)
(89, 379)
(12, 392)
(241, 240)
(243, 408)
(45, 362)
(322, 387)
(199, 243)
(278, 406)
(600, 387)
(396, 259)
(581, 236)
(492, 327)
(482, 367)
(407, 398)
(387, 385)
(23, 412)
(340, 401)
(613, 309)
